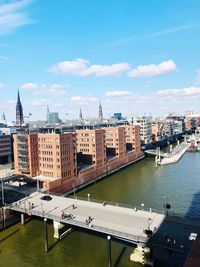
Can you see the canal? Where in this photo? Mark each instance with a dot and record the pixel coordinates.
(141, 182)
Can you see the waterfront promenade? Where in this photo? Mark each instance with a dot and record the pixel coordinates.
(123, 223)
(175, 155)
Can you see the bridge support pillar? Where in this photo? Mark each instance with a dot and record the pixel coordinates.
(22, 219)
(109, 251)
(141, 255)
(45, 235)
(57, 226)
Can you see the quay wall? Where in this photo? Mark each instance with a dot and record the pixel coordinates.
(92, 174)
(175, 155)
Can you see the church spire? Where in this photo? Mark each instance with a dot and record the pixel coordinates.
(100, 111)
(19, 111)
(80, 114)
(3, 117)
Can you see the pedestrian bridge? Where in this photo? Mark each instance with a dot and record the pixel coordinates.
(124, 223)
(154, 152)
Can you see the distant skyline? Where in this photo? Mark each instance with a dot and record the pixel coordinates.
(135, 56)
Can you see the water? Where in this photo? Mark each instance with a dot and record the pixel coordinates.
(23, 246)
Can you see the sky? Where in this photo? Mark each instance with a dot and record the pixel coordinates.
(135, 56)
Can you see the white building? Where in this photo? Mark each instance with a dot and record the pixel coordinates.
(145, 124)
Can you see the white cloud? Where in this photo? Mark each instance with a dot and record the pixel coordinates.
(188, 91)
(30, 86)
(41, 89)
(83, 99)
(152, 69)
(75, 67)
(12, 15)
(105, 70)
(118, 93)
(39, 102)
(55, 89)
(82, 67)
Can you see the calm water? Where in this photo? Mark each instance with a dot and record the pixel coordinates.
(23, 246)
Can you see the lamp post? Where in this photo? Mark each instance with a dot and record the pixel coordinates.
(142, 205)
(88, 197)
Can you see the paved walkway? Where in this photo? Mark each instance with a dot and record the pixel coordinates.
(124, 223)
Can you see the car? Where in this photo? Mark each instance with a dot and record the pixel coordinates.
(46, 197)
(193, 236)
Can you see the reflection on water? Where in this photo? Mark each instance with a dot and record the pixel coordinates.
(143, 183)
(139, 183)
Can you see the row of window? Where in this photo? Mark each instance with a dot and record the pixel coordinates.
(48, 174)
(66, 174)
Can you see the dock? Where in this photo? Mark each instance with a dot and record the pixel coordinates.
(175, 155)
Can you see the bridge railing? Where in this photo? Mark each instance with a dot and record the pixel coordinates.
(169, 213)
(155, 239)
(128, 206)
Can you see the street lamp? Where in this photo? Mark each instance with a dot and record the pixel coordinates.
(88, 197)
(142, 205)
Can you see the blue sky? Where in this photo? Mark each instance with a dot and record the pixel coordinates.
(136, 56)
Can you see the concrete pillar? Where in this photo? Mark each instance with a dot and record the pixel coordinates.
(22, 219)
(45, 235)
(109, 251)
(57, 226)
(141, 255)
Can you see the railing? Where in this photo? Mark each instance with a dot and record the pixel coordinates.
(170, 213)
(155, 239)
(118, 204)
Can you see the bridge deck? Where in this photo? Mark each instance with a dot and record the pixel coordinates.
(124, 223)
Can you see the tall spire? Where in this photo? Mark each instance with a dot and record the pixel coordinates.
(47, 113)
(3, 117)
(19, 111)
(100, 111)
(80, 114)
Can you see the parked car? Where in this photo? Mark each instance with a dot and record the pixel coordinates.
(46, 197)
